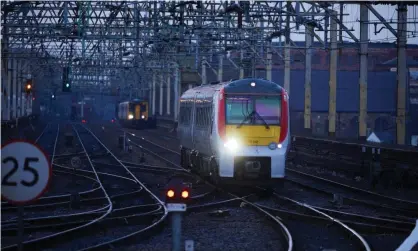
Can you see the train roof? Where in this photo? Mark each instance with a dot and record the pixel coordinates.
(237, 86)
(135, 101)
(244, 86)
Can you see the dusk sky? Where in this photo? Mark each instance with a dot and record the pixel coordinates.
(387, 11)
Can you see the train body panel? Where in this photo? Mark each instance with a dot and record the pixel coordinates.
(241, 125)
(135, 114)
(196, 119)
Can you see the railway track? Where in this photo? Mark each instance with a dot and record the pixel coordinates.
(393, 221)
(242, 198)
(350, 193)
(93, 227)
(360, 242)
(203, 201)
(109, 205)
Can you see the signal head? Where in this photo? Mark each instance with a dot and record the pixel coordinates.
(170, 193)
(177, 192)
(185, 194)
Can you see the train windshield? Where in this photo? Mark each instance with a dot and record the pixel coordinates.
(253, 110)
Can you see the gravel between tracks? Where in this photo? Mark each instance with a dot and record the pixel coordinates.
(240, 229)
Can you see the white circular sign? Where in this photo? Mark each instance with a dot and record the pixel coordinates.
(25, 172)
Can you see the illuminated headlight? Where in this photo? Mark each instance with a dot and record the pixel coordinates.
(272, 146)
(143, 117)
(130, 116)
(231, 144)
(279, 146)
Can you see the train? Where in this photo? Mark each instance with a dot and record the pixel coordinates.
(135, 114)
(235, 132)
(88, 112)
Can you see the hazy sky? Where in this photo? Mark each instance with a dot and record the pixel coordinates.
(387, 11)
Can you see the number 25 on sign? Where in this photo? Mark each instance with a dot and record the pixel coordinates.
(25, 172)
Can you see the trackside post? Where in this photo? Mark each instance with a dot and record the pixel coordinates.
(177, 195)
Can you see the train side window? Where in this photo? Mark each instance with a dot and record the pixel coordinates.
(198, 116)
(188, 117)
(182, 115)
(209, 115)
(185, 115)
(203, 114)
(206, 117)
(202, 117)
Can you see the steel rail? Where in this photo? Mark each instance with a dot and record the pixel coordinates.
(283, 227)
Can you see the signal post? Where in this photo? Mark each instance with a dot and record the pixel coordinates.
(177, 196)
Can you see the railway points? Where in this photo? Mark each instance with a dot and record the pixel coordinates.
(126, 96)
(349, 213)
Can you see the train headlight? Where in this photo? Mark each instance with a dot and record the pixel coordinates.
(130, 116)
(143, 117)
(231, 144)
(273, 146)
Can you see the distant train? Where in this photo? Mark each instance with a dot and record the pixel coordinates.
(135, 114)
(76, 114)
(236, 132)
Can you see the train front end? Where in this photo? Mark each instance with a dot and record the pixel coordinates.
(253, 129)
(136, 114)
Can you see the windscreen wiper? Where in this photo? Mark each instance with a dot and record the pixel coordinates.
(262, 120)
(249, 116)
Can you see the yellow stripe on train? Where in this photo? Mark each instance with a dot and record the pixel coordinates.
(254, 135)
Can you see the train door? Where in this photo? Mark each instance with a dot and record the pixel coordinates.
(193, 119)
(196, 122)
(214, 142)
(137, 111)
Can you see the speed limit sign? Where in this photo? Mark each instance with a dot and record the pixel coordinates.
(25, 172)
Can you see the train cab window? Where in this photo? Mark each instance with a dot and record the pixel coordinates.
(238, 108)
(269, 108)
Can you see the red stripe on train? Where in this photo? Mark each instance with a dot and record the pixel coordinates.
(284, 120)
(221, 114)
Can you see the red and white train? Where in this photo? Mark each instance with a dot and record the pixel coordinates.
(236, 131)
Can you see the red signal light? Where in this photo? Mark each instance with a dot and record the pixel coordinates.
(33, 98)
(83, 121)
(113, 120)
(170, 193)
(185, 194)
